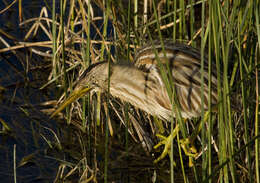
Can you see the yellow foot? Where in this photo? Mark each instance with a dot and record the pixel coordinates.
(167, 141)
(189, 149)
(186, 144)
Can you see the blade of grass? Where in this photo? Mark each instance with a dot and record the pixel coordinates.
(210, 126)
(257, 124)
(202, 49)
(215, 35)
(106, 15)
(243, 91)
(54, 43)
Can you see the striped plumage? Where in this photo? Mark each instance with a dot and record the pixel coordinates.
(184, 62)
(128, 83)
(142, 85)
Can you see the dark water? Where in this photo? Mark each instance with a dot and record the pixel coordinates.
(19, 99)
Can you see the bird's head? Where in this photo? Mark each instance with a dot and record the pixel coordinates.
(95, 77)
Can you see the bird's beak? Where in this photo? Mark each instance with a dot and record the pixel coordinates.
(73, 97)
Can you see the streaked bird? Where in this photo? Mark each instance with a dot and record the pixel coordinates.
(142, 84)
(184, 63)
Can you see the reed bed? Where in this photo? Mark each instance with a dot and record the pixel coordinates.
(79, 33)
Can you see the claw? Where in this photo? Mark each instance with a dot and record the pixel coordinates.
(186, 144)
(167, 141)
(189, 151)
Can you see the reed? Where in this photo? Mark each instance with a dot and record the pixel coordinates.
(82, 33)
(224, 38)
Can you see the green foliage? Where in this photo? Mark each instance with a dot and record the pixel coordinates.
(228, 32)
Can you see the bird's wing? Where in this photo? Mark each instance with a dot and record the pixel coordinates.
(185, 67)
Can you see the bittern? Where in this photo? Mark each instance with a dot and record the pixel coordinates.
(142, 84)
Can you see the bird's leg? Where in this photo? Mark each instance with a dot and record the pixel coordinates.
(189, 149)
(167, 141)
(188, 143)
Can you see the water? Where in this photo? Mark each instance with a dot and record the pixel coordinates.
(18, 107)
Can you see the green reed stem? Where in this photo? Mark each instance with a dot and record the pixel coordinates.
(126, 106)
(202, 49)
(87, 62)
(14, 164)
(257, 159)
(216, 47)
(65, 82)
(54, 43)
(107, 121)
(174, 20)
(192, 21)
(229, 36)
(106, 15)
(209, 134)
(181, 159)
(243, 91)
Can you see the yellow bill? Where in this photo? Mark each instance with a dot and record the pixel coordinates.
(73, 97)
